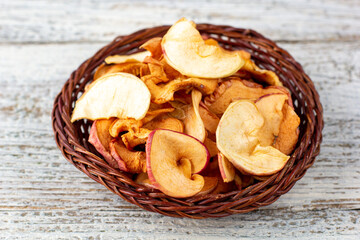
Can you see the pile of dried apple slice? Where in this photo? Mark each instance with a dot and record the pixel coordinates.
(188, 117)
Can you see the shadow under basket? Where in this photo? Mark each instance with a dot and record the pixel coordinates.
(71, 138)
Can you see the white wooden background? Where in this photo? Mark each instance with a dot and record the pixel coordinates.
(42, 196)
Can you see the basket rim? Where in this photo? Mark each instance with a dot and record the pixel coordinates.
(211, 205)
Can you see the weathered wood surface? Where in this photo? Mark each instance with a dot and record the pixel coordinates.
(42, 196)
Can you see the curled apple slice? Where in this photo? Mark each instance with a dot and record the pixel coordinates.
(143, 179)
(210, 120)
(289, 132)
(193, 124)
(186, 51)
(165, 123)
(270, 106)
(168, 170)
(154, 47)
(129, 161)
(238, 139)
(163, 93)
(262, 75)
(211, 147)
(227, 170)
(134, 68)
(236, 89)
(136, 57)
(120, 95)
(100, 138)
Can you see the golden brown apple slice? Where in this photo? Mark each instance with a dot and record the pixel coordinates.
(136, 57)
(227, 170)
(186, 51)
(261, 75)
(134, 68)
(132, 139)
(128, 161)
(210, 183)
(235, 89)
(163, 93)
(123, 125)
(289, 132)
(211, 147)
(243, 149)
(154, 47)
(165, 123)
(157, 72)
(210, 119)
(243, 181)
(143, 179)
(193, 124)
(100, 138)
(165, 168)
(270, 106)
(120, 95)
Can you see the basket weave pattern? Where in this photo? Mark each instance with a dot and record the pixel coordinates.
(71, 138)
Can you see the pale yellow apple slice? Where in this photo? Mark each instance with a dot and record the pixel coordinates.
(270, 107)
(186, 51)
(227, 170)
(120, 95)
(193, 124)
(238, 139)
(136, 57)
(168, 155)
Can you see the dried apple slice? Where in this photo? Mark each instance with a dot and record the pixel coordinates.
(123, 125)
(132, 139)
(165, 123)
(211, 147)
(270, 106)
(186, 51)
(210, 120)
(120, 95)
(210, 183)
(235, 89)
(143, 179)
(289, 132)
(193, 124)
(129, 161)
(154, 47)
(165, 168)
(163, 93)
(262, 75)
(227, 170)
(136, 57)
(100, 138)
(242, 148)
(134, 68)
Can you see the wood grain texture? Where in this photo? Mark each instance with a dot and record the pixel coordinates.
(75, 21)
(44, 197)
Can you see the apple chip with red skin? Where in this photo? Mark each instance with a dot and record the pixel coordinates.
(169, 170)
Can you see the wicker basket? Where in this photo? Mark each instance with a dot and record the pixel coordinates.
(71, 138)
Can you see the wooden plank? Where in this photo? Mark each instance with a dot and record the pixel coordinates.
(98, 223)
(93, 21)
(40, 192)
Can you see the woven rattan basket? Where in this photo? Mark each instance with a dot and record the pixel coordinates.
(71, 138)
